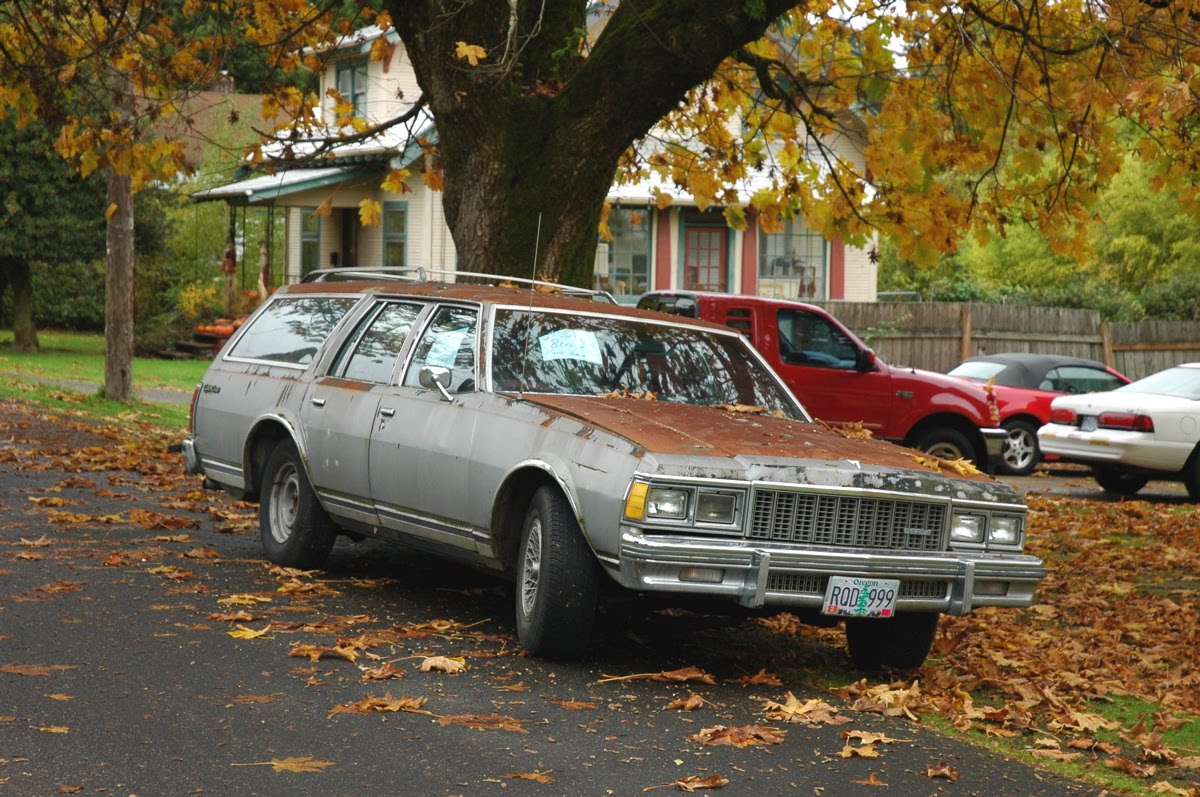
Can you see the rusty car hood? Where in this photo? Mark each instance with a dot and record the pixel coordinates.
(670, 430)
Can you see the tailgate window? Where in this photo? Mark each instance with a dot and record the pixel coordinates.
(291, 331)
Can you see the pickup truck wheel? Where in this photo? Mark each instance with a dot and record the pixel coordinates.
(294, 528)
(1021, 453)
(901, 642)
(1116, 480)
(557, 579)
(945, 442)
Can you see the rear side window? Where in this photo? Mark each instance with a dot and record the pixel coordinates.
(290, 330)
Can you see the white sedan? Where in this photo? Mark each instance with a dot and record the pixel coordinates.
(1148, 429)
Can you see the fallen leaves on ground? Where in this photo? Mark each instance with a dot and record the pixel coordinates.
(942, 771)
(537, 777)
(738, 736)
(304, 763)
(694, 782)
(36, 670)
(682, 675)
(811, 712)
(484, 722)
(444, 664)
(387, 703)
(690, 703)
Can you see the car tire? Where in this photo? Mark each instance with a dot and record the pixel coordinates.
(1021, 452)
(295, 530)
(901, 642)
(1117, 480)
(557, 579)
(945, 442)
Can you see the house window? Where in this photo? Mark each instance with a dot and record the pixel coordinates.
(310, 240)
(352, 84)
(792, 262)
(628, 271)
(395, 233)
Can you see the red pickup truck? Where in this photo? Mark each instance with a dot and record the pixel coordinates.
(843, 382)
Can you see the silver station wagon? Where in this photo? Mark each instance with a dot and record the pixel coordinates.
(567, 442)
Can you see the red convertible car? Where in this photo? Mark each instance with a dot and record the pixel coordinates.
(1024, 385)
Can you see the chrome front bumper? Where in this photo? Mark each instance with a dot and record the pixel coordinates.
(994, 439)
(761, 575)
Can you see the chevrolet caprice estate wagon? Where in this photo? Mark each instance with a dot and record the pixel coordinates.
(566, 442)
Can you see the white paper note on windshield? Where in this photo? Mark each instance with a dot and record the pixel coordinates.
(571, 344)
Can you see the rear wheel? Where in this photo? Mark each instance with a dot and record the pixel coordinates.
(1021, 454)
(901, 642)
(945, 442)
(557, 579)
(1118, 480)
(294, 528)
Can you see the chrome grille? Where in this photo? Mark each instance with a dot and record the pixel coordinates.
(847, 521)
(803, 584)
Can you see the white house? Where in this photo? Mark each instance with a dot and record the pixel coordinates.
(679, 246)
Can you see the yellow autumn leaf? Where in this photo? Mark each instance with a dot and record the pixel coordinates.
(395, 182)
(443, 664)
(325, 208)
(110, 210)
(370, 213)
(52, 728)
(243, 599)
(433, 179)
(471, 53)
(304, 763)
(242, 632)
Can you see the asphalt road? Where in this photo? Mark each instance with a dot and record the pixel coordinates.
(119, 674)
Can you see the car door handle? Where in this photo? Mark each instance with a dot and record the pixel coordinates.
(318, 402)
(387, 412)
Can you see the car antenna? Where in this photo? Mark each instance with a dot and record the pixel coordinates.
(537, 239)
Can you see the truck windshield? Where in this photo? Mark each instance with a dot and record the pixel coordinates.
(543, 351)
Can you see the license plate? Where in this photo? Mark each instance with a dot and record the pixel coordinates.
(1087, 423)
(861, 597)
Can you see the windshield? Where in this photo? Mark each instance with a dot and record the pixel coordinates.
(977, 370)
(568, 354)
(1179, 382)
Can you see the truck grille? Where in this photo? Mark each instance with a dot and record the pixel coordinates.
(803, 584)
(847, 521)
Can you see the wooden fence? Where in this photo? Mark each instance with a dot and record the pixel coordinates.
(937, 335)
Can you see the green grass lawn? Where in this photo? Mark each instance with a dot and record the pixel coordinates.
(79, 357)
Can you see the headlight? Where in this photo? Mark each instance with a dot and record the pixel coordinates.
(1006, 530)
(716, 508)
(968, 528)
(666, 504)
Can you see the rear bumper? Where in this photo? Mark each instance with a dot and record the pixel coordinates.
(762, 575)
(191, 460)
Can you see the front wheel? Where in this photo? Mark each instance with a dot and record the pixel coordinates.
(1116, 480)
(901, 642)
(557, 579)
(1021, 453)
(294, 528)
(946, 443)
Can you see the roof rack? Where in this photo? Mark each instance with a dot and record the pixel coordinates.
(422, 274)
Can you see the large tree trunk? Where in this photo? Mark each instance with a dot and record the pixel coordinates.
(21, 280)
(118, 278)
(530, 142)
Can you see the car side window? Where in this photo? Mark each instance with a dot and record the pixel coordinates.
(808, 339)
(371, 355)
(1081, 379)
(291, 330)
(449, 341)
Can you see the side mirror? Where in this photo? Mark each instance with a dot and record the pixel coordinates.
(866, 360)
(436, 376)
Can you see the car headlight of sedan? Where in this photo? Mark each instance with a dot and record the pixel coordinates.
(666, 504)
(698, 506)
(993, 528)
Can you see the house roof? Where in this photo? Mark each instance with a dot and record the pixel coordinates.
(265, 188)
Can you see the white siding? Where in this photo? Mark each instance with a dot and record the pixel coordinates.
(862, 276)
